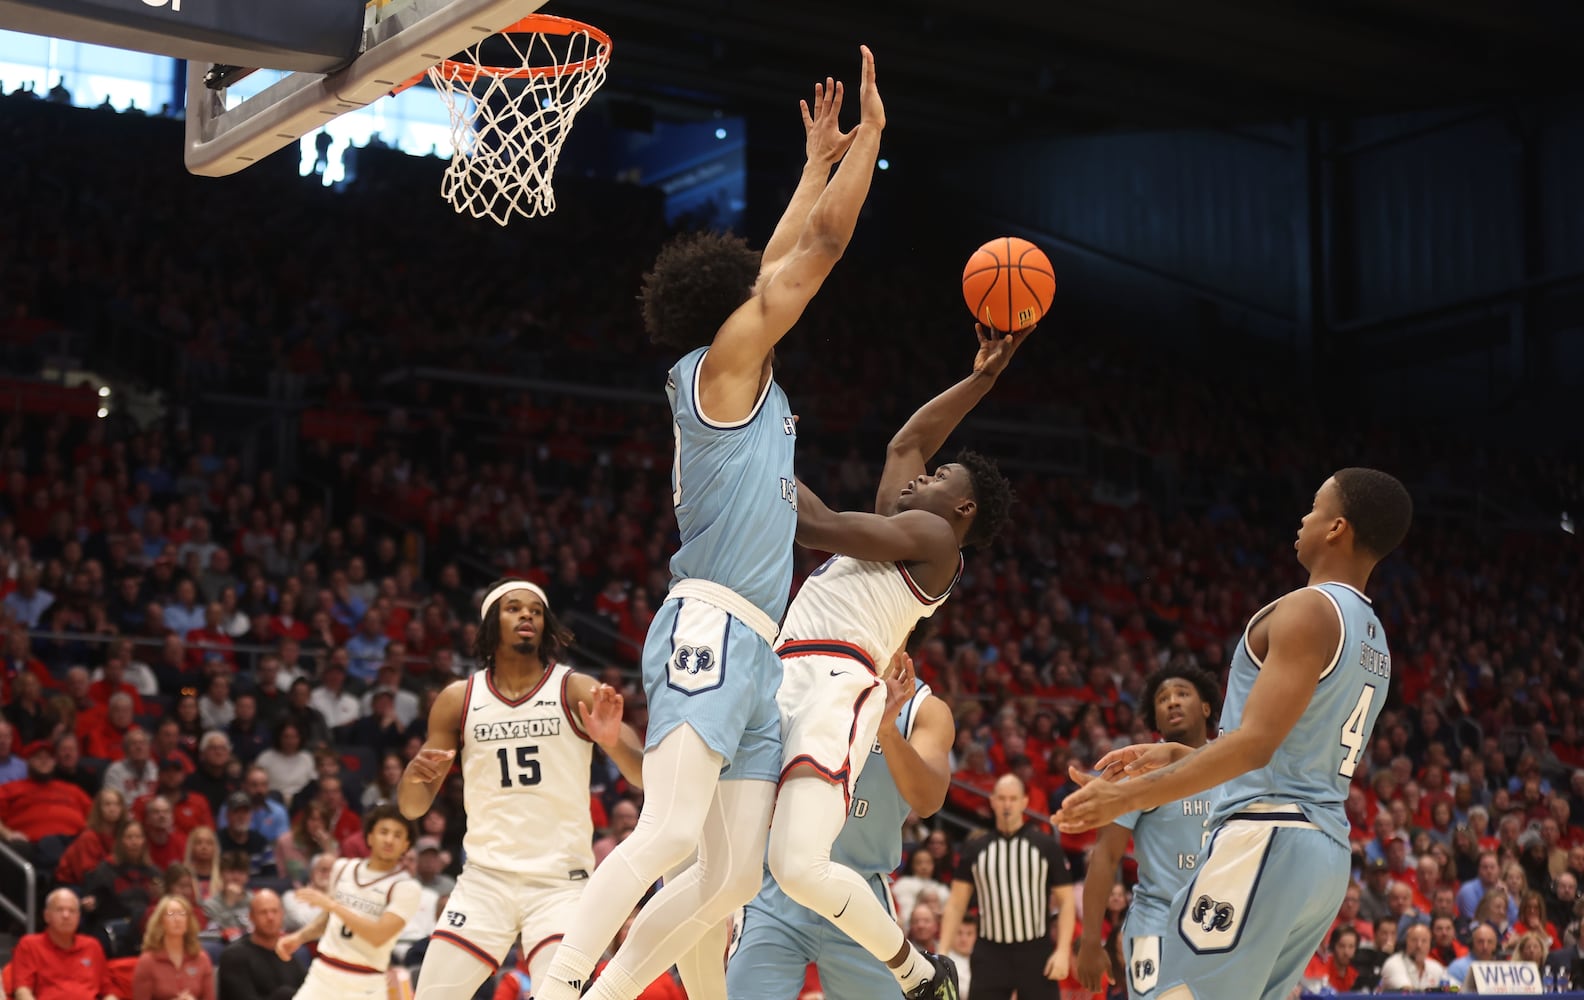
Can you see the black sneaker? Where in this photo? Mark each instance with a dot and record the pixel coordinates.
(944, 984)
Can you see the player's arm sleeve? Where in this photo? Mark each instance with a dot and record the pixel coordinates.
(909, 536)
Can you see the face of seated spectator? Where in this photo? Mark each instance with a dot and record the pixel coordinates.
(330, 795)
(186, 594)
(120, 711)
(1344, 946)
(1399, 899)
(922, 864)
(109, 809)
(1397, 854)
(158, 817)
(78, 683)
(1386, 935)
(171, 778)
(41, 761)
(1416, 944)
(1443, 933)
(924, 926)
(62, 915)
(239, 815)
(267, 914)
(1566, 889)
(1530, 948)
(216, 752)
(173, 919)
(131, 845)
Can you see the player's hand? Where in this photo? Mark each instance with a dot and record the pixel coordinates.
(431, 764)
(827, 143)
(314, 898)
(1056, 967)
(1093, 805)
(1140, 758)
(996, 348)
(1092, 964)
(603, 721)
(869, 103)
(899, 688)
(286, 946)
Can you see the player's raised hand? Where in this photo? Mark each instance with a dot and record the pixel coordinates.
(899, 687)
(869, 103)
(314, 898)
(827, 143)
(996, 348)
(431, 764)
(1095, 803)
(601, 716)
(286, 945)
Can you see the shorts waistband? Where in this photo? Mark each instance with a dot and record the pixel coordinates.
(729, 601)
(336, 963)
(1273, 814)
(826, 647)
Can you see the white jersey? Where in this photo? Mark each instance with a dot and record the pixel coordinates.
(373, 894)
(525, 780)
(854, 603)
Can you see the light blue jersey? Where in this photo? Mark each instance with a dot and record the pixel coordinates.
(870, 841)
(734, 492)
(1314, 765)
(1167, 842)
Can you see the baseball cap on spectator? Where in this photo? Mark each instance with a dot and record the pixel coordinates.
(1375, 865)
(237, 801)
(37, 747)
(433, 844)
(172, 764)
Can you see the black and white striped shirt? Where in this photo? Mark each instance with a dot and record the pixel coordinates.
(1012, 878)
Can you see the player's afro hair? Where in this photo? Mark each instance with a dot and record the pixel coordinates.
(1378, 507)
(698, 280)
(992, 496)
(1209, 691)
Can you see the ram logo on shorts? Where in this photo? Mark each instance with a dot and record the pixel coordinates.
(693, 661)
(1212, 914)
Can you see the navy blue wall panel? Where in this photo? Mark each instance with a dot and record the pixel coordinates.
(1428, 220)
(1561, 179)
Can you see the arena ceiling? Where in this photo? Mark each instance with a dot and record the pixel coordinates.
(1062, 66)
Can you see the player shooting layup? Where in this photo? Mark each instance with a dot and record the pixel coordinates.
(710, 670)
(1306, 685)
(526, 726)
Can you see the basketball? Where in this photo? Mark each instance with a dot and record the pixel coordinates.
(1008, 284)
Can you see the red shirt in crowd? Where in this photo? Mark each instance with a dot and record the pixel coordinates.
(51, 972)
(188, 813)
(39, 809)
(173, 850)
(157, 976)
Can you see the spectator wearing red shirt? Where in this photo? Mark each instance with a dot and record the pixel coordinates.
(1338, 968)
(19, 659)
(189, 810)
(41, 809)
(167, 845)
(113, 681)
(979, 779)
(94, 843)
(343, 821)
(58, 963)
(104, 736)
(210, 641)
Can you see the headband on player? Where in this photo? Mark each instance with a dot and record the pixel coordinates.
(506, 588)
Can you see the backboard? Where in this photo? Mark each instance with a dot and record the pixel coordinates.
(401, 39)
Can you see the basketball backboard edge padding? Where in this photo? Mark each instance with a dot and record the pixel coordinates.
(396, 48)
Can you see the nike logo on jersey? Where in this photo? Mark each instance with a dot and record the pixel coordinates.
(838, 673)
(542, 702)
(480, 708)
(843, 909)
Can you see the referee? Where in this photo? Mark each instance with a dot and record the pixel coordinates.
(1019, 875)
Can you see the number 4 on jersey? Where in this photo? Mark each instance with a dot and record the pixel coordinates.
(1353, 735)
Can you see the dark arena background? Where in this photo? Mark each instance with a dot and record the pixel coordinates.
(264, 438)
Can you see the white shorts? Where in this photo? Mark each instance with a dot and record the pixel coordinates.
(489, 910)
(831, 707)
(326, 982)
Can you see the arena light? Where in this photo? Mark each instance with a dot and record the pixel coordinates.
(720, 133)
(883, 163)
(104, 411)
(104, 392)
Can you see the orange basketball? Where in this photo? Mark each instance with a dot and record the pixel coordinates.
(1008, 284)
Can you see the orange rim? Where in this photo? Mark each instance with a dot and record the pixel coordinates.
(541, 24)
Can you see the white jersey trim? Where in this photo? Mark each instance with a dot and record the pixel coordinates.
(1341, 635)
(923, 596)
(698, 405)
(1258, 615)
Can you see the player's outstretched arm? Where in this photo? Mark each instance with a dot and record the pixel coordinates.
(1304, 632)
(1060, 961)
(730, 374)
(426, 773)
(825, 144)
(599, 709)
(375, 930)
(1093, 963)
(921, 764)
(288, 944)
(911, 536)
(928, 428)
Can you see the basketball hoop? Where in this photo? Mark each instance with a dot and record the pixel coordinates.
(508, 122)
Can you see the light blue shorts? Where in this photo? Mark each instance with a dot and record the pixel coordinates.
(703, 667)
(1264, 896)
(777, 940)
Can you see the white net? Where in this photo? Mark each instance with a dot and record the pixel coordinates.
(508, 122)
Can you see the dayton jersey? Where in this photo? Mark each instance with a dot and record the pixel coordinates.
(1314, 765)
(525, 780)
(372, 894)
(1167, 843)
(872, 605)
(734, 492)
(870, 841)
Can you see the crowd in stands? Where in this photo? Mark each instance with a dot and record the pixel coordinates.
(212, 668)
